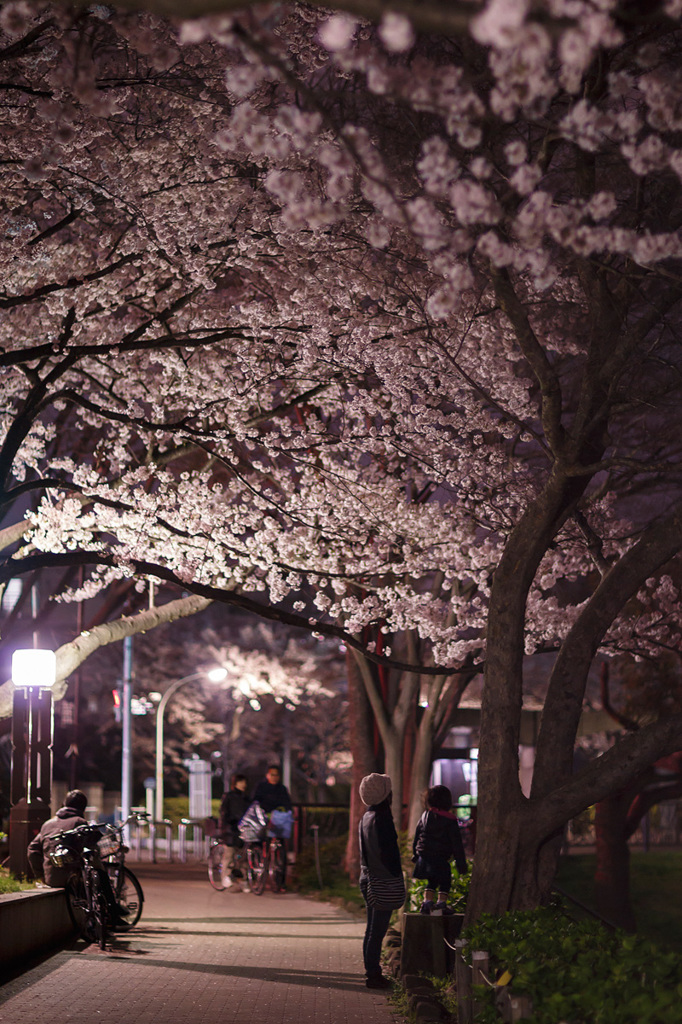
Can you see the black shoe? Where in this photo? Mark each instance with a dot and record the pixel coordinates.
(379, 981)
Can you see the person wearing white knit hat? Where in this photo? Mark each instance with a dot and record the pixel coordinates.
(381, 876)
(374, 789)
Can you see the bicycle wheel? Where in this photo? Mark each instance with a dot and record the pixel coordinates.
(257, 869)
(77, 905)
(128, 895)
(278, 866)
(217, 865)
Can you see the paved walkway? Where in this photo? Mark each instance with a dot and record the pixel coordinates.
(204, 957)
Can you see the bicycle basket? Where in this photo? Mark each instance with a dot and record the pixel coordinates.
(281, 824)
(109, 844)
(63, 856)
(254, 825)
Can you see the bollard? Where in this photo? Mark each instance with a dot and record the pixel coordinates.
(168, 825)
(315, 829)
(199, 842)
(479, 974)
(136, 840)
(182, 841)
(463, 978)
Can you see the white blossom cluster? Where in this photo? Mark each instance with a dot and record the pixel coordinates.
(311, 311)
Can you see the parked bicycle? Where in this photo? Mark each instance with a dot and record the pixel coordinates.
(102, 894)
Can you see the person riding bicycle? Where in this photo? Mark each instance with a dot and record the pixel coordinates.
(40, 848)
(273, 795)
(233, 807)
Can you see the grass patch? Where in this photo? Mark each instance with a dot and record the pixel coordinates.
(398, 999)
(8, 883)
(655, 891)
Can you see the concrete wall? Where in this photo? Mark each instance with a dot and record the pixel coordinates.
(31, 922)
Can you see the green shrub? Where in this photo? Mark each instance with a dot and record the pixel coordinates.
(459, 892)
(577, 971)
(332, 821)
(332, 855)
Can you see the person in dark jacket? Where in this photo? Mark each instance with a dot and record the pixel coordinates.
(436, 840)
(271, 793)
(233, 807)
(381, 874)
(39, 849)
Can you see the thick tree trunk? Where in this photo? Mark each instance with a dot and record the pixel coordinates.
(365, 760)
(612, 875)
(506, 871)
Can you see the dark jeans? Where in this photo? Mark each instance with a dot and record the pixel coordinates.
(377, 926)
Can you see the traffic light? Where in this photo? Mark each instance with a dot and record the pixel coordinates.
(116, 694)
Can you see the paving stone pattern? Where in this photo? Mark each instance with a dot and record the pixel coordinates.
(203, 957)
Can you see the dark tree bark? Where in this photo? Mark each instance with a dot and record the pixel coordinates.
(618, 816)
(612, 874)
(517, 837)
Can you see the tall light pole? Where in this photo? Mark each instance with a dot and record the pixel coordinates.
(33, 675)
(216, 675)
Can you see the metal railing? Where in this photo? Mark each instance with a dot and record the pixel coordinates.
(155, 840)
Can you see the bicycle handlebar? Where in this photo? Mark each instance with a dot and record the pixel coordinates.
(105, 826)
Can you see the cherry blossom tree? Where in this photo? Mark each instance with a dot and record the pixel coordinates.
(647, 690)
(366, 329)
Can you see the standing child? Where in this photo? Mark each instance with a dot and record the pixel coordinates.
(436, 840)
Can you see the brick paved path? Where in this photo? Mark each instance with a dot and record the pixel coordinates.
(204, 957)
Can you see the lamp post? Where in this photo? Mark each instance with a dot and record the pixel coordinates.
(216, 675)
(34, 674)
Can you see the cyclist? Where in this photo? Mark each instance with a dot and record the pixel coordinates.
(271, 793)
(232, 809)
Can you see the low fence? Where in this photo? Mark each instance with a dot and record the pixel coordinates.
(509, 1006)
(191, 838)
(661, 827)
(160, 840)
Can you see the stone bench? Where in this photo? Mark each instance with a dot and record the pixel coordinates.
(31, 922)
(424, 948)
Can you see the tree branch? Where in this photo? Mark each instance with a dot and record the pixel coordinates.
(630, 756)
(137, 567)
(74, 653)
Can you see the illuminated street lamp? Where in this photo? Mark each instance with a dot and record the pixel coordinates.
(216, 675)
(34, 673)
